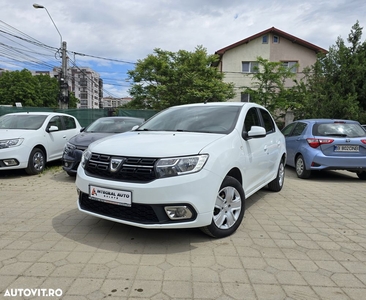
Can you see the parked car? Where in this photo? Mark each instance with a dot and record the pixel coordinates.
(29, 140)
(100, 128)
(189, 166)
(326, 144)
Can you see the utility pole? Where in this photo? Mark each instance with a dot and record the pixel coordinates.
(63, 98)
(64, 82)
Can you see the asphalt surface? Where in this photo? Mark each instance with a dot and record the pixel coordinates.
(306, 242)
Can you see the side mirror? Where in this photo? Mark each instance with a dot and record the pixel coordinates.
(52, 128)
(135, 127)
(255, 132)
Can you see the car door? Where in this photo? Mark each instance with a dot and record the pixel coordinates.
(255, 151)
(56, 140)
(293, 140)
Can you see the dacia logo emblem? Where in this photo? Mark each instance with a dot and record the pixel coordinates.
(115, 164)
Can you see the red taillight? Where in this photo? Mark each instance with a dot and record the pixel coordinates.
(363, 141)
(315, 143)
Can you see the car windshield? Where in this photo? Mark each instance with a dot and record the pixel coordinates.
(112, 125)
(28, 122)
(208, 119)
(338, 130)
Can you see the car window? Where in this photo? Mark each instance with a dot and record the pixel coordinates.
(338, 129)
(29, 122)
(55, 121)
(208, 119)
(299, 129)
(268, 121)
(69, 122)
(288, 129)
(251, 119)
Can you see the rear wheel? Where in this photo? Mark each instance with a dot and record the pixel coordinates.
(301, 169)
(276, 184)
(36, 162)
(228, 211)
(362, 175)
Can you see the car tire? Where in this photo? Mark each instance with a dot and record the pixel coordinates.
(300, 168)
(362, 175)
(228, 211)
(36, 162)
(276, 184)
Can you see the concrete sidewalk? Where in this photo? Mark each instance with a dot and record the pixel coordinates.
(306, 242)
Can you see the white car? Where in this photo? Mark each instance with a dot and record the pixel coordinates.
(29, 140)
(189, 166)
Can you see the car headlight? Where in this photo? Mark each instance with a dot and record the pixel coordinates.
(11, 143)
(85, 157)
(168, 167)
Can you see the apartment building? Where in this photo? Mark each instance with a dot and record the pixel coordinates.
(238, 60)
(87, 86)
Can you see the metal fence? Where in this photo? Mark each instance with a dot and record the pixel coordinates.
(84, 116)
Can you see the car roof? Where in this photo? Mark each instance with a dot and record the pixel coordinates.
(226, 103)
(40, 113)
(326, 120)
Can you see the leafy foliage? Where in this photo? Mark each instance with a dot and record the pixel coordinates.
(34, 91)
(167, 78)
(268, 88)
(335, 86)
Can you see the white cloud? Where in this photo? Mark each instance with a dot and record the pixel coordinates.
(129, 30)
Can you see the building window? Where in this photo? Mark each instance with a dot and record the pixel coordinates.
(292, 65)
(249, 67)
(245, 97)
(276, 39)
(265, 39)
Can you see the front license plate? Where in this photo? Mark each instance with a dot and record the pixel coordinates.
(110, 195)
(347, 148)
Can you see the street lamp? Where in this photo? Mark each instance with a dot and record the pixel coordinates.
(64, 89)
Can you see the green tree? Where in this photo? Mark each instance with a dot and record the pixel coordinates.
(167, 78)
(335, 85)
(268, 88)
(22, 86)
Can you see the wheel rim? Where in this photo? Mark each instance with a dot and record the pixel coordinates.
(299, 166)
(38, 161)
(227, 207)
(281, 174)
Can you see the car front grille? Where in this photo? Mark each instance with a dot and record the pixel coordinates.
(139, 213)
(130, 169)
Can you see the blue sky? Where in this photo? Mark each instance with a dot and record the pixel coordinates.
(112, 35)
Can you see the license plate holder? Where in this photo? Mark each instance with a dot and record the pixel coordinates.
(113, 196)
(347, 148)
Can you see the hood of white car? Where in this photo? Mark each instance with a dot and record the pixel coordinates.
(154, 143)
(6, 134)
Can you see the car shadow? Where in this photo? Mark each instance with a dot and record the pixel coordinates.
(106, 235)
(325, 176)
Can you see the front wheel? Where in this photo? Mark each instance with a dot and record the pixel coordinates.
(36, 162)
(301, 170)
(228, 211)
(276, 184)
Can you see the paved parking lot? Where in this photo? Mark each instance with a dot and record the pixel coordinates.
(306, 242)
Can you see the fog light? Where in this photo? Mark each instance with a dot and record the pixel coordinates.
(178, 212)
(10, 162)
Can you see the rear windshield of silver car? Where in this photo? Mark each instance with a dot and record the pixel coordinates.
(338, 130)
(207, 119)
(28, 122)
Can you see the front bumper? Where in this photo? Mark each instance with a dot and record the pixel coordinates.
(71, 160)
(19, 154)
(197, 191)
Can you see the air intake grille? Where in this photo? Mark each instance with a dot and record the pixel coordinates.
(130, 169)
